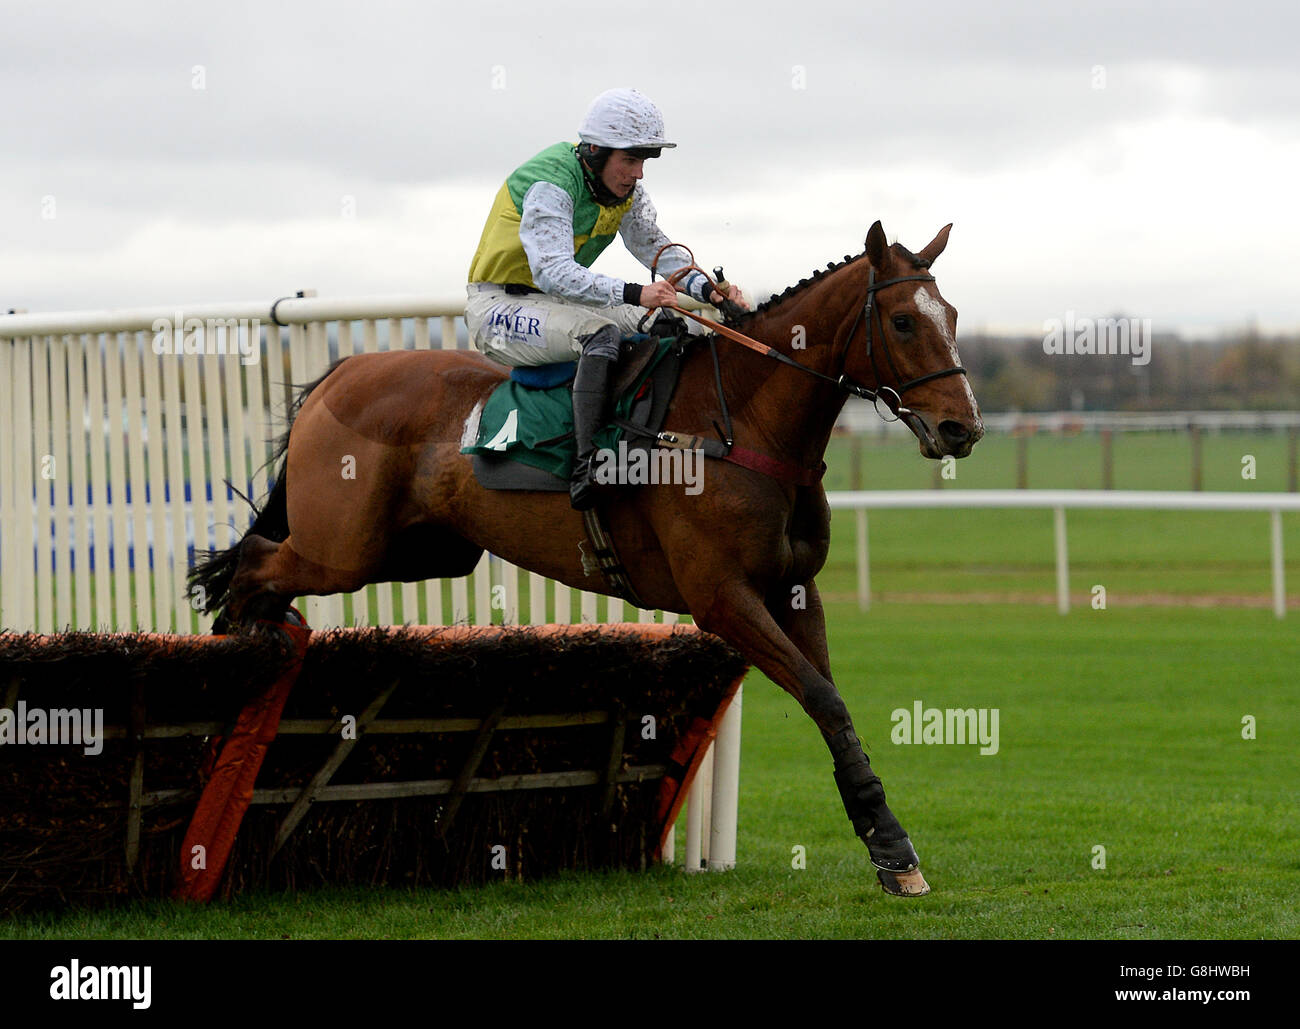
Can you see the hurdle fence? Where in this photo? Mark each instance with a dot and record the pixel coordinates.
(414, 755)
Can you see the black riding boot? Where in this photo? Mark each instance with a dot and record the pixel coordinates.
(590, 410)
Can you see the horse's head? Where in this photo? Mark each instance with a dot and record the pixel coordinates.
(904, 343)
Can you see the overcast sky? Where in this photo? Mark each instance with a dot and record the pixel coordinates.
(1106, 157)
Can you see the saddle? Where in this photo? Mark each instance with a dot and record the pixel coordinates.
(525, 435)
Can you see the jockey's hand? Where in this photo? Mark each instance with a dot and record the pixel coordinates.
(733, 294)
(657, 294)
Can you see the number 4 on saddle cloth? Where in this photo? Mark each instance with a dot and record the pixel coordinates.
(524, 438)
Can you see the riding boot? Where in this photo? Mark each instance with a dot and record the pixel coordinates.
(591, 410)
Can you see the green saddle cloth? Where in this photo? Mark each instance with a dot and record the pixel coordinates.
(535, 426)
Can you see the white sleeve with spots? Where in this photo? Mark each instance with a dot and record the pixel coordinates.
(546, 231)
(643, 237)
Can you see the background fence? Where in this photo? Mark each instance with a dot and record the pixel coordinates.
(1034, 436)
(1059, 501)
(117, 456)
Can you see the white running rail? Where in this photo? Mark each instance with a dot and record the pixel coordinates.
(1059, 501)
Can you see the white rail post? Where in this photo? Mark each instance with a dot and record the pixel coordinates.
(483, 590)
(1062, 564)
(864, 566)
(510, 582)
(1279, 567)
(460, 601)
(726, 789)
(694, 826)
(703, 796)
(12, 582)
(23, 617)
(56, 476)
(537, 600)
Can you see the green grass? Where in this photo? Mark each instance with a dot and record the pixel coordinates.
(1118, 728)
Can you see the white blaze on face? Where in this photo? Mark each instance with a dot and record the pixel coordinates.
(937, 313)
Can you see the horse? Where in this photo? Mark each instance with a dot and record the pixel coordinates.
(740, 556)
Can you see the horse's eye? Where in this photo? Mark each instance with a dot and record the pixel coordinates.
(903, 322)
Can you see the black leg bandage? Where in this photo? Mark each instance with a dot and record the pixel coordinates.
(864, 801)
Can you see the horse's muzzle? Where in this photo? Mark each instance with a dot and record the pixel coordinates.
(951, 438)
(958, 438)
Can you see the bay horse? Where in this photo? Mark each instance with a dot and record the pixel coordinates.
(740, 557)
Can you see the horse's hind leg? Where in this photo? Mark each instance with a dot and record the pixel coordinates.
(270, 575)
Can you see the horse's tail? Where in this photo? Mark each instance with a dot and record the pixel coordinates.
(213, 570)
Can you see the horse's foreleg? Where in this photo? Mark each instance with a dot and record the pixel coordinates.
(802, 619)
(783, 651)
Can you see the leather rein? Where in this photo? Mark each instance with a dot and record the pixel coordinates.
(890, 396)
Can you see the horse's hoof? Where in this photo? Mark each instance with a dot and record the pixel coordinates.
(903, 884)
(292, 619)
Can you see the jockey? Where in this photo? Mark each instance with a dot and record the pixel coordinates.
(532, 299)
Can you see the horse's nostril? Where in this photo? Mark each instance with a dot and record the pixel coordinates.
(954, 433)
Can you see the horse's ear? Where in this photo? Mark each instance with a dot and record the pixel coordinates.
(936, 245)
(877, 246)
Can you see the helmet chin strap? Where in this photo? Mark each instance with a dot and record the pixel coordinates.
(601, 193)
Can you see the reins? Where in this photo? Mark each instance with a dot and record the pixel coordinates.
(895, 406)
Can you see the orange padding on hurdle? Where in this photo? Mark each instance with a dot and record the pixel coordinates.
(689, 754)
(228, 793)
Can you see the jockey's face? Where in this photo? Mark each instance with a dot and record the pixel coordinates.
(621, 173)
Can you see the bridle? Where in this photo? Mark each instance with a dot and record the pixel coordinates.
(890, 396)
(869, 307)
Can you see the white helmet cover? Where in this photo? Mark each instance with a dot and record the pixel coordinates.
(623, 119)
